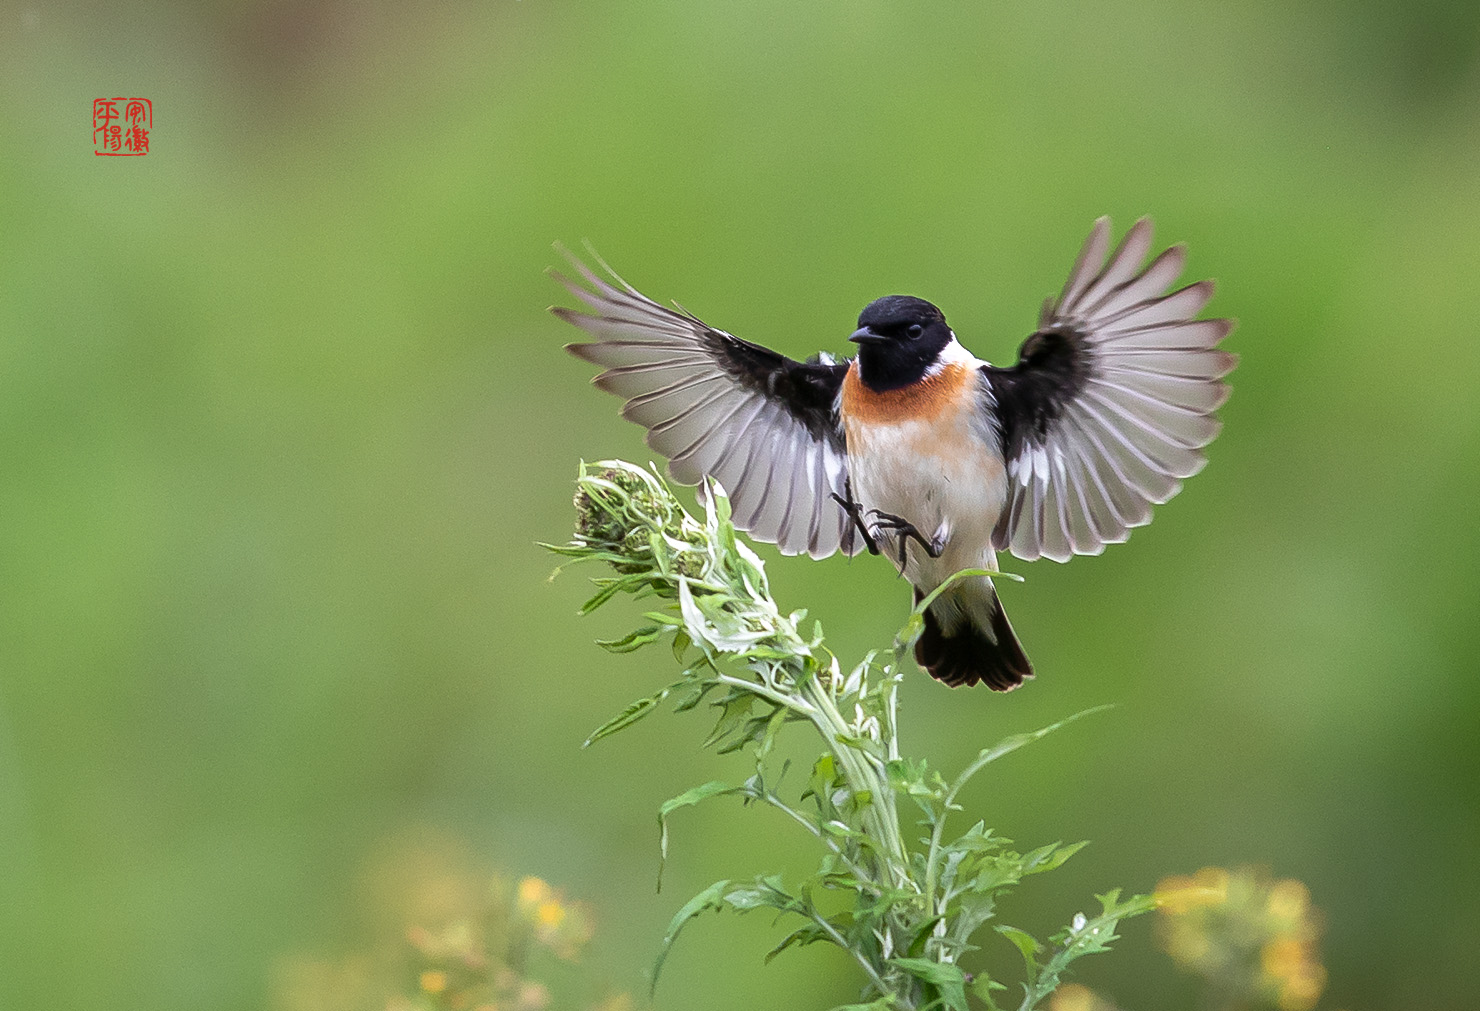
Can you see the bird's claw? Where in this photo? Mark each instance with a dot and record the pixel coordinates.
(904, 530)
(854, 512)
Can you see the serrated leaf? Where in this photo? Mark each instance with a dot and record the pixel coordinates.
(710, 898)
(1025, 943)
(922, 936)
(1047, 858)
(977, 839)
(948, 979)
(985, 988)
(609, 589)
(694, 697)
(633, 640)
(734, 711)
(681, 644)
(807, 933)
(1085, 937)
(969, 911)
(634, 712)
(766, 892)
(768, 739)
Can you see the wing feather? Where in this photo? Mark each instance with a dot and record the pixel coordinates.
(1112, 401)
(762, 425)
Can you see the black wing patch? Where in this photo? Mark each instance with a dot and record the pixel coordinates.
(761, 424)
(1111, 402)
(808, 390)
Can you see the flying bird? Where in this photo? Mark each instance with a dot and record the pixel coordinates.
(920, 451)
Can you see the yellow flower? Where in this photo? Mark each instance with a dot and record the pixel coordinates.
(616, 1002)
(1072, 997)
(1282, 957)
(1181, 894)
(533, 997)
(1288, 900)
(433, 981)
(1186, 943)
(1300, 992)
(532, 892)
(1257, 938)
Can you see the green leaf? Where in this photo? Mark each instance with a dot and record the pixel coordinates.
(688, 798)
(1047, 858)
(807, 933)
(956, 577)
(946, 978)
(610, 588)
(734, 711)
(633, 640)
(766, 892)
(915, 624)
(1084, 936)
(768, 740)
(922, 935)
(985, 988)
(1025, 943)
(821, 783)
(1010, 744)
(977, 839)
(969, 911)
(905, 638)
(710, 898)
(630, 715)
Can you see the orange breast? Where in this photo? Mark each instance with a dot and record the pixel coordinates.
(925, 401)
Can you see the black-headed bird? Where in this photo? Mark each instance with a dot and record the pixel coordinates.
(919, 450)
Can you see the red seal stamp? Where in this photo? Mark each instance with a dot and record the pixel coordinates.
(121, 126)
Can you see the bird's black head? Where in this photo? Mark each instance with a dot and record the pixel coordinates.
(899, 337)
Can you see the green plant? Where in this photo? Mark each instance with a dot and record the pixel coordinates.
(916, 902)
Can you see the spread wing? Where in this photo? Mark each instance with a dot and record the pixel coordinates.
(1111, 401)
(761, 424)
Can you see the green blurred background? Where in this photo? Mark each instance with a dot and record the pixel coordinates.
(282, 416)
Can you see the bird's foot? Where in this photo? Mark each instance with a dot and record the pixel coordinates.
(854, 512)
(903, 530)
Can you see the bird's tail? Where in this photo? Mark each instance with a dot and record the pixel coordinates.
(968, 645)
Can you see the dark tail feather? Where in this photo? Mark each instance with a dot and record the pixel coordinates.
(971, 656)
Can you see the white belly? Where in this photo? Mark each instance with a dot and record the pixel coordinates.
(942, 478)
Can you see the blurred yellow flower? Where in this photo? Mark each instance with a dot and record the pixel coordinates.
(1076, 997)
(1288, 899)
(1072, 997)
(532, 997)
(1251, 938)
(616, 1002)
(564, 927)
(1179, 893)
(470, 942)
(532, 892)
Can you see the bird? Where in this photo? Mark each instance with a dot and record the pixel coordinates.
(920, 451)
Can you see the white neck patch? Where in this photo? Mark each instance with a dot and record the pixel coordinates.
(952, 354)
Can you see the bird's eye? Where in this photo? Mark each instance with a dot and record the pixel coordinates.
(915, 331)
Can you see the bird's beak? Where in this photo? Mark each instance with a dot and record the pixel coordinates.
(864, 335)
